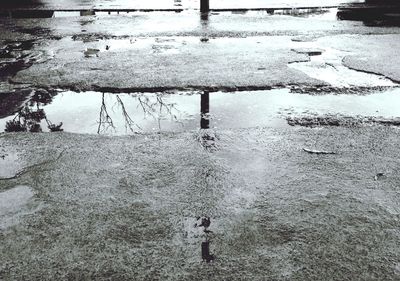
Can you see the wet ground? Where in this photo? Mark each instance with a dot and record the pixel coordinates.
(122, 208)
(125, 132)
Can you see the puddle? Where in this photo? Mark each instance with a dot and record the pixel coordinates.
(158, 45)
(9, 164)
(16, 56)
(276, 3)
(51, 9)
(30, 13)
(15, 203)
(326, 65)
(119, 114)
(167, 4)
(61, 14)
(315, 12)
(320, 12)
(371, 14)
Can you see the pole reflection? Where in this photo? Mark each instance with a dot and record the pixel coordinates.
(207, 137)
(205, 110)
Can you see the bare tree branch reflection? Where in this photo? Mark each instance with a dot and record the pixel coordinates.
(129, 123)
(105, 120)
(156, 107)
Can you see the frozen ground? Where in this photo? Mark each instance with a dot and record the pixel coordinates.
(125, 208)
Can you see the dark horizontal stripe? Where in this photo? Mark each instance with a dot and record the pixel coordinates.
(164, 10)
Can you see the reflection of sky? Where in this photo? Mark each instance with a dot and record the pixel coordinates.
(188, 4)
(80, 111)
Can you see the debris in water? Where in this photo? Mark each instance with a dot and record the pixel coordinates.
(90, 52)
(311, 151)
(309, 51)
(56, 128)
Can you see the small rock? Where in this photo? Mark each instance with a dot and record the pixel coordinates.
(379, 176)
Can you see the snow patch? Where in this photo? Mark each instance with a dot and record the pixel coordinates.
(328, 67)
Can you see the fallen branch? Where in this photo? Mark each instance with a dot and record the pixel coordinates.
(318, 151)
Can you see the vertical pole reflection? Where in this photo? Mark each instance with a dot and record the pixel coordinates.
(204, 18)
(205, 252)
(204, 6)
(204, 21)
(205, 110)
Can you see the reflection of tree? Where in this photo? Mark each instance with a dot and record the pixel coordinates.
(28, 119)
(129, 123)
(105, 121)
(156, 108)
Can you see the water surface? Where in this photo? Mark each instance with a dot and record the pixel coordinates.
(119, 114)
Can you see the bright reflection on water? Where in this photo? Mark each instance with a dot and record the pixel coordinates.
(185, 4)
(117, 114)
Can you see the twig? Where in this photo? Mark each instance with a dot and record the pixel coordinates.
(318, 151)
